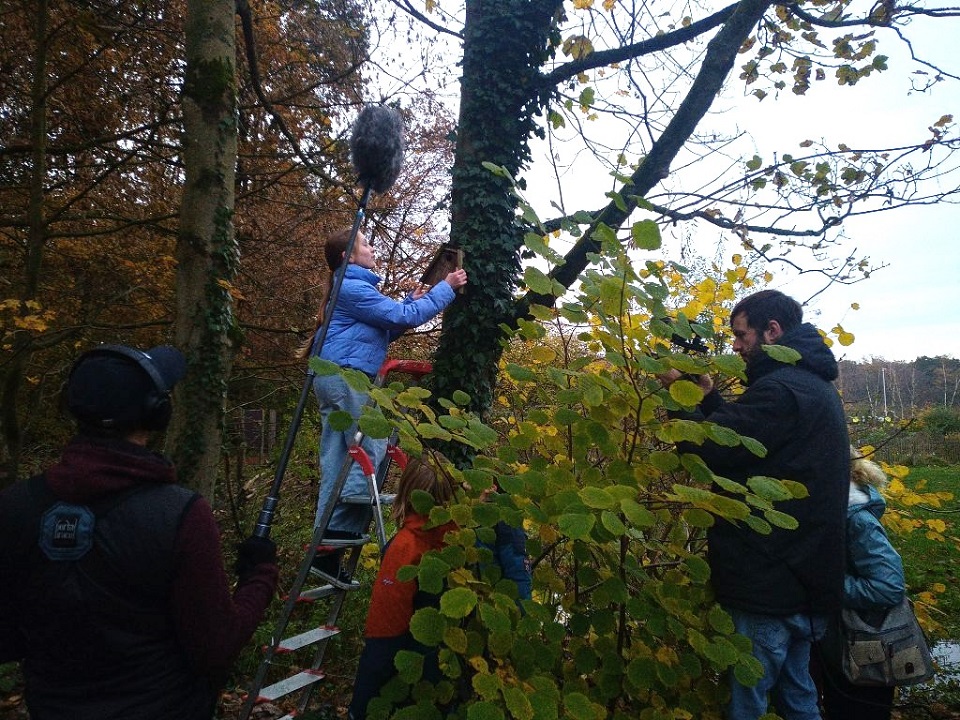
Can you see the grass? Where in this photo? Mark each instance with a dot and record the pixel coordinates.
(930, 564)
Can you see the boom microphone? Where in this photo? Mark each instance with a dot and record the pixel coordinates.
(376, 147)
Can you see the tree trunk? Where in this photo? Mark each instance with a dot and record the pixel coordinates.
(36, 240)
(498, 102)
(206, 249)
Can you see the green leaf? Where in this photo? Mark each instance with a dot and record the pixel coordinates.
(461, 398)
(782, 353)
(427, 625)
(637, 515)
(340, 421)
(753, 446)
(578, 706)
(375, 425)
(664, 461)
(576, 525)
(695, 517)
(697, 568)
(458, 602)
(612, 523)
(409, 665)
(781, 519)
(433, 432)
(484, 711)
(520, 373)
(769, 488)
(686, 393)
(518, 703)
(536, 280)
(595, 497)
(646, 235)
(754, 163)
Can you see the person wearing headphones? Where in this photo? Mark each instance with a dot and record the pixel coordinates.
(115, 599)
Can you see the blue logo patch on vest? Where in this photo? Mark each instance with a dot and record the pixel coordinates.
(66, 532)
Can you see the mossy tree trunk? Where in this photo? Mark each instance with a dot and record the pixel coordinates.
(207, 253)
(505, 43)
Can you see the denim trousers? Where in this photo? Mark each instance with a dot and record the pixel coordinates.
(334, 394)
(782, 645)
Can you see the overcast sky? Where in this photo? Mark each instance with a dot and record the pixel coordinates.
(911, 307)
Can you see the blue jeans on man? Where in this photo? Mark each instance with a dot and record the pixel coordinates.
(782, 645)
(333, 393)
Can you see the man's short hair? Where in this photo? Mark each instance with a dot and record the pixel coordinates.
(762, 307)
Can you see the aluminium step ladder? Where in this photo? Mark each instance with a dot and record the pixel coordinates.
(305, 680)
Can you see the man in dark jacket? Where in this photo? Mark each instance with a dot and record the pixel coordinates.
(115, 597)
(779, 588)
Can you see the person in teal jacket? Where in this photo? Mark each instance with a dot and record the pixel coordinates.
(873, 583)
(363, 324)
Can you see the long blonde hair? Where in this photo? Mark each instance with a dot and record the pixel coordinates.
(427, 473)
(334, 250)
(865, 472)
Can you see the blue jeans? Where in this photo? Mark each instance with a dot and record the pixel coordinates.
(333, 393)
(782, 645)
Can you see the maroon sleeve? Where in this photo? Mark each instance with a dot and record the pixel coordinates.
(213, 624)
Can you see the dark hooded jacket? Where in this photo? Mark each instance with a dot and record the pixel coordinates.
(795, 411)
(133, 617)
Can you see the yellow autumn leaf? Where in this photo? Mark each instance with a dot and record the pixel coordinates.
(582, 4)
(846, 338)
(937, 525)
(854, 306)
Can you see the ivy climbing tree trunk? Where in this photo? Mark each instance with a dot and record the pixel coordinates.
(505, 42)
(207, 254)
(501, 91)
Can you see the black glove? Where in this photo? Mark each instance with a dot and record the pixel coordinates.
(255, 551)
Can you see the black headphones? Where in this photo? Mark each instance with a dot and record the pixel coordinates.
(157, 407)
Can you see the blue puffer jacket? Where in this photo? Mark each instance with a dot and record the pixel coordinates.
(365, 322)
(874, 576)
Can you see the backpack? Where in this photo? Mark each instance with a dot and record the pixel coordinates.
(891, 651)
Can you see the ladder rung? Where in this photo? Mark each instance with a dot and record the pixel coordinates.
(385, 499)
(317, 593)
(306, 638)
(289, 685)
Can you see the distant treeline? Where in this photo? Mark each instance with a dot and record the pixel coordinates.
(884, 388)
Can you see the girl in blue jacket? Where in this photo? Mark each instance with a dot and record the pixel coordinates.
(873, 582)
(363, 324)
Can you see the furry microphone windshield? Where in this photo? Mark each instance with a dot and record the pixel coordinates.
(376, 147)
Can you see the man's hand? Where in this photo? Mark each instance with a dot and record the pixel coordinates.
(672, 375)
